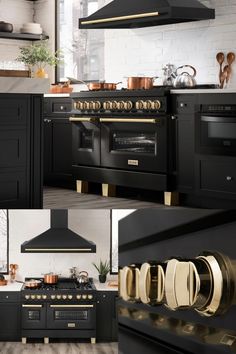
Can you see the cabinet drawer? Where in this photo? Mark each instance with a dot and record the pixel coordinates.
(13, 111)
(218, 176)
(13, 147)
(61, 107)
(7, 296)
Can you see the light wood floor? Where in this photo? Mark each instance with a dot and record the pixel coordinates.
(68, 199)
(58, 348)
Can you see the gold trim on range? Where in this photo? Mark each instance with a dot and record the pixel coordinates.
(120, 18)
(31, 306)
(58, 249)
(72, 306)
(129, 120)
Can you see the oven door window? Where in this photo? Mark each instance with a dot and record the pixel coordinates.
(134, 142)
(86, 139)
(71, 315)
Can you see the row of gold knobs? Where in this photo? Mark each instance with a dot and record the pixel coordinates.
(120, 105)
(64, 297)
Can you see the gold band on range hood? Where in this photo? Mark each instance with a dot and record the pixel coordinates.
(58, 249)
(120, 18)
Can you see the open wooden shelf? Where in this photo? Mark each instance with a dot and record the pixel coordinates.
(23, 36)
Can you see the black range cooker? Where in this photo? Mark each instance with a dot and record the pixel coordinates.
(124, 137)
(63, 310)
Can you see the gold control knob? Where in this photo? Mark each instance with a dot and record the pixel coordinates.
(128, 105)
(156, 105)
(85, 105)
(32, 297)
(90, 297)
(79, 105)
(90, 105)
(84, 297)
(148, 105)
(107, 105)
(70, 297)
(114, 105)
(44, 297)
(53, 297)
(27, 297)
(39, 297)
(121, 105)
(58, 297)
(139, 105)
(78, 297)
(64, 297)
(97, 105)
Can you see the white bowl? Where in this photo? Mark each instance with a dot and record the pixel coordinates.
(28, 31)
(32, 24)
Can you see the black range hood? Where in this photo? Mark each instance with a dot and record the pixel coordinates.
(59, 238)
(146, 13)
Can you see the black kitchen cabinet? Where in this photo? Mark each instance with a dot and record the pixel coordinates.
(107, 316)
(21, 151)
(57, 143)
(10, 316)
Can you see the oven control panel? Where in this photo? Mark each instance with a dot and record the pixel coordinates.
(124, 105)
(206, 283)
(57, 296)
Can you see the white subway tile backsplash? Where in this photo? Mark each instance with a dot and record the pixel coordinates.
(147, 50)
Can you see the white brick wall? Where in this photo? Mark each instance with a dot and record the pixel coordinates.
(144, 51)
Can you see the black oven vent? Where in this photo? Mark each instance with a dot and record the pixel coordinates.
(59, 238)
(146, 13)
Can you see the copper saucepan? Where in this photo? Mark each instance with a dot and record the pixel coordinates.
(32, 283)
(50, 278)
(97, 86)
(140, 83)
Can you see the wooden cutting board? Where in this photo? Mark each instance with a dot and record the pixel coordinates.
(14, 73)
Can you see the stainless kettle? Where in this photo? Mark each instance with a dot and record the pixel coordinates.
(83, 277)
(184, 79)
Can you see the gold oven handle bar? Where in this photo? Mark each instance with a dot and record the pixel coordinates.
(72, 306)
(32, 306)
(129, 120)
(82, 119)
(58, 249)
(120, 18)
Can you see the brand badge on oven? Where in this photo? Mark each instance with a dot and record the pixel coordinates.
(133, 162)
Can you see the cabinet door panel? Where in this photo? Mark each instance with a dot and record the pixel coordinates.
(10, 321)
(13, 110)
(13, 148)
(13, 189)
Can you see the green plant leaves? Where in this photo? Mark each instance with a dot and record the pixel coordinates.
(103, 268)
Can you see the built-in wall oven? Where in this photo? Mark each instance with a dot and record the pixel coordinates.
(216, 130)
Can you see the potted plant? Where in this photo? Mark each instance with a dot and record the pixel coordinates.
(39, 55)
(103, 269)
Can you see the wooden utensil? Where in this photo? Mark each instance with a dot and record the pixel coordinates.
(230, 60)
(223, 76)
(220, 57)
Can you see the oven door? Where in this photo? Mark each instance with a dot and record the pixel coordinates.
(33, 316)
(86, 145)
(216, 134)
(138, 144)
(76, 316)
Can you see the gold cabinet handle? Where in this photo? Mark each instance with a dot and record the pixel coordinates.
(72, 306)
(82, 119)
(30, 306)
(129, 120)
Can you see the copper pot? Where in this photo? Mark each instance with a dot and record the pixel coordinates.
(50, 278)
(140, 83)
(32, 283)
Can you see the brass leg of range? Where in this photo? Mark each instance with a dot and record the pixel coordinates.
(46, 340)
(82, 186)
(23, 340)
(93, 340)
(108, 190)
(171, 198)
